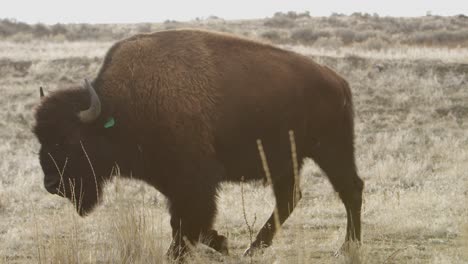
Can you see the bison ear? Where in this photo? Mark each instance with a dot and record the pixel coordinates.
(41, 92)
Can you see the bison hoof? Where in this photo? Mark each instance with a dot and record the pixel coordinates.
(254, 248)
(218, 242)
(348, 248)
(249, 252)
(221, 245)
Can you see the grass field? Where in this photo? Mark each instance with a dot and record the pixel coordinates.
(411, 104)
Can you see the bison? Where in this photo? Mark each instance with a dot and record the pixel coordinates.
(182, 110)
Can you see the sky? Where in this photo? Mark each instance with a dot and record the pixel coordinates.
(134, 11)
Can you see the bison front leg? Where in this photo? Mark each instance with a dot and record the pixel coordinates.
(286, 199)
(192, 213)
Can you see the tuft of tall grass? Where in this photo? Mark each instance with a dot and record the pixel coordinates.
(130, 233)
(136, 236)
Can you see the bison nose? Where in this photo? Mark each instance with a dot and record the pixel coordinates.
(51, 186)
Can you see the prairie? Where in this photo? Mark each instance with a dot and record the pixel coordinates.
(410, 87)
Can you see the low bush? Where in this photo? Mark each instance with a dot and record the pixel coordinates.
(308, 35)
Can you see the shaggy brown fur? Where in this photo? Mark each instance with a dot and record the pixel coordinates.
(189, 106)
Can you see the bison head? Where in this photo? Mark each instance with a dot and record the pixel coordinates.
(76, 153)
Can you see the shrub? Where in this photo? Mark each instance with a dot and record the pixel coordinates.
(362, 36)
(10, 27)
(374, 43)
(329, 43)
(40, 31)
(308, 35)
(335, 21)
(439, 37)
(272, 35)
(95, 32)
(293, 14)
(280, 22)
(172, 24)
(144, 28)
(58, 29)
(347, 36)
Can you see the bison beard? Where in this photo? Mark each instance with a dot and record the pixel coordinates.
(186, 109)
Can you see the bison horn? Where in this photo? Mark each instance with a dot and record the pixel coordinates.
(93, 112)
(41, 92)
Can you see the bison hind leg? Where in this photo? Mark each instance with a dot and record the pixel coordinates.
(338, 163)
(287, 196)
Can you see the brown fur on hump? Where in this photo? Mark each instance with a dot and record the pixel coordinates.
(160, 79)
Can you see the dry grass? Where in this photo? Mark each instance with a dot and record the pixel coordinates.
(412, 151)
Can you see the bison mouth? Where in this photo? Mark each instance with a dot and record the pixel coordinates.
(52, 184)
(85, 207)
(52, 187)
(83, 202)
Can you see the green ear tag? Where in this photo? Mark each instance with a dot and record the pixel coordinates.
(110, 123)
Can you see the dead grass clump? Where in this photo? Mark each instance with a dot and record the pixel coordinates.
(64, 244)
(22, 37)
(135, 236)
(130, 234)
